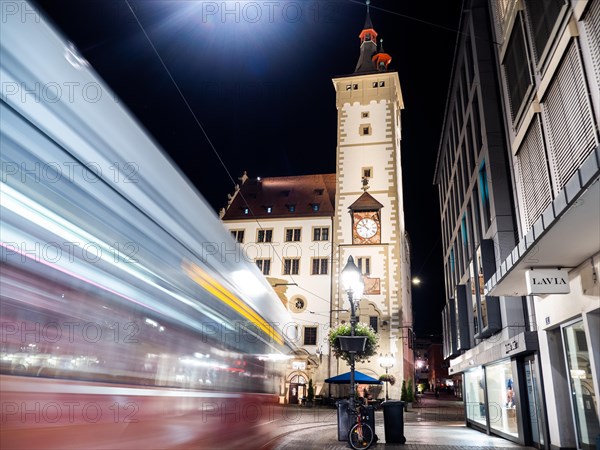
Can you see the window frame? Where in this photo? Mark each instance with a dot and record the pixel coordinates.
(235, 233)
(293, 237)
(291, 268)
(261, 267)
(268, 235)
(322, 263)
(320, 230)
(304, 335)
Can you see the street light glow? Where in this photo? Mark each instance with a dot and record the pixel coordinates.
(416, 281)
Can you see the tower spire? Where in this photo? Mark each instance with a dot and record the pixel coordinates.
(368, 46)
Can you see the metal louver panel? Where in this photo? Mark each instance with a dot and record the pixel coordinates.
(592, 27)
(502, 10)
(532, 175)
(568, 119)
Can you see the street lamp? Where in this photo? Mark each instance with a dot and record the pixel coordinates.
(386, 362)
(353, 285)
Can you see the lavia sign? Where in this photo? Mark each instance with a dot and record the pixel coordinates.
(547, 281)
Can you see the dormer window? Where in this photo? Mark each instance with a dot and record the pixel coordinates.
(292, 208)
(319, 191)
(314, 206)
(246, 210)
(269, 209)
(285, 193)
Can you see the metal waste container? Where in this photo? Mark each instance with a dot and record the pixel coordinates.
(344, 420)
(368, 416)
(393, 422)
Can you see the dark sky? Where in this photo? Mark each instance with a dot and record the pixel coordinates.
(257, 78)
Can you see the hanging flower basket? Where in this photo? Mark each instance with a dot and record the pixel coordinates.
(338, 346)
(388, 378)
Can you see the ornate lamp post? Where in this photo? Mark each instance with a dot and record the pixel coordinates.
(386, 362)
(353, 285)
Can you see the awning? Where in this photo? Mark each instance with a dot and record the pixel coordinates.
(359, 378)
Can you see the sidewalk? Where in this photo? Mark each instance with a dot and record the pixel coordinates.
(433, 424)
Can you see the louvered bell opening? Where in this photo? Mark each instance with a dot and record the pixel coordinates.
(568, 119)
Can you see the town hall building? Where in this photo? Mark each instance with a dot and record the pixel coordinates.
(301, 230)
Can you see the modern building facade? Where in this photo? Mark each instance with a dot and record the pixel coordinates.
(532, 375)
(301, 230)
(488, 338)
(549, 63)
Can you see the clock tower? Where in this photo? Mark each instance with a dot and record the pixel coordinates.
(369, 226)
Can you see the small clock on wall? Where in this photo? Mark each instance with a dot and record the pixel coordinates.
(366, 220)
(366, 227)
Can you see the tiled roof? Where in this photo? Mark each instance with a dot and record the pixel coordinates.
(297, 196)
(366, 202)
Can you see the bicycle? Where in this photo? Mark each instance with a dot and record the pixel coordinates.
(361, 435)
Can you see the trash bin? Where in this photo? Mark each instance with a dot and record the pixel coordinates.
(393, 422)
(368, 416)
(344, 420)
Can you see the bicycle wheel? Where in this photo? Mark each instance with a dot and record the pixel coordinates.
(360, 436)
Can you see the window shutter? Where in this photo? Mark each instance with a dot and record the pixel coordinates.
(592, 29)
(568, 119)
(533, 177)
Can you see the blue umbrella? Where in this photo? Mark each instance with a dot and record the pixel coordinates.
(359, 378)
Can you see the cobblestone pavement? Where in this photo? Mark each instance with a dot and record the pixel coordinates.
(434, 424)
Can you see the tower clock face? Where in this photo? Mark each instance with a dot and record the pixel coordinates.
(366, 228)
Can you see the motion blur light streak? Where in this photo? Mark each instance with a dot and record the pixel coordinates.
(120, 348)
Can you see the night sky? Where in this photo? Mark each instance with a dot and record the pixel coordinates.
(257, 78)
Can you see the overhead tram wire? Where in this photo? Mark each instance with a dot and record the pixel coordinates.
(212, 146)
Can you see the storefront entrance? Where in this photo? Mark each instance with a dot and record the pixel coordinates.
(583, 394)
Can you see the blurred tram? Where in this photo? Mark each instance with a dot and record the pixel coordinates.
(129, 316)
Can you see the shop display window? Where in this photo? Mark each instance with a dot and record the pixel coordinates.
(475, 395)
(503, 401)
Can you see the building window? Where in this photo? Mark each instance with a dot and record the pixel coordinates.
(319, 191)
(382, 84)
(246, 211)
(310, 335)
(269, 209)
(364, 114)
(292, 234)
(373, 321)
(367, 172)
(264, 236)
(516, 68)
(238, 235)
(321, 234)
(364, 265)
(264, 265)
(365, 130)
(319, 266)
(291, 208)
(298, 304)
(374, 84)
(484, 193)
(355, 87)
(348, 87)
(314, 206)
(291, 266)
(542, 18)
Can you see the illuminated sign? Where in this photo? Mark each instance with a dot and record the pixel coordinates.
(547, 281)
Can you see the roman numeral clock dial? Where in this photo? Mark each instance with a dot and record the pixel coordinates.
(366, 228)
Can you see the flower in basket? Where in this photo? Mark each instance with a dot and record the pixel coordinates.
(361, 329)
(388, 378)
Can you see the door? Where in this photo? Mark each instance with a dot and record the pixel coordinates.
(583, 394)
(537, 421)
(293, 393)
